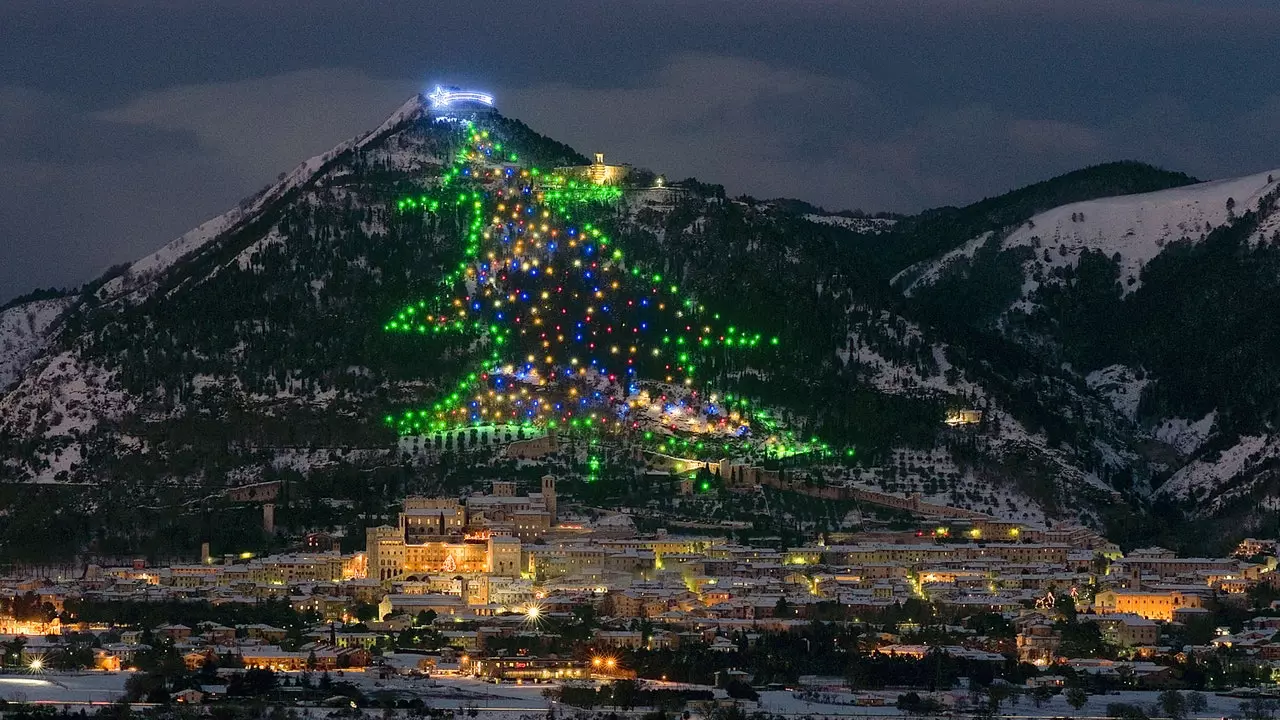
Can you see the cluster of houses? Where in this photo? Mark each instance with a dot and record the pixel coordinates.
(492, 566)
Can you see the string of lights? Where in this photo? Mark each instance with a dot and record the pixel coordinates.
(578, 338)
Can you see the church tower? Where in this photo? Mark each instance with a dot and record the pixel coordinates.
(549, 496)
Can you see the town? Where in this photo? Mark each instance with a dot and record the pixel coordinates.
(511, 587)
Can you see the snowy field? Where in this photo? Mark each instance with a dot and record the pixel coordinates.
(87, 687)
(509, 702)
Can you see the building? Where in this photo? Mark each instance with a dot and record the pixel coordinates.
(1126, 630)
(390, 556)
(527, 669)
(597, 173)
(1149, 605)
(481, 534)
(963, 417)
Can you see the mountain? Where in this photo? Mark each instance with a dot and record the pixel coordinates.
(1163, 304)
(253, 348)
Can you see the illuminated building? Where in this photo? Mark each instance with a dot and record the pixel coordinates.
(597, 173)
(963, 417)
(530, 668)
(30, 628)
(391, 556)
(444, 535)
(1150, 605)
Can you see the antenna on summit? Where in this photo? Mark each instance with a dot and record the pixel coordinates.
(451, 100)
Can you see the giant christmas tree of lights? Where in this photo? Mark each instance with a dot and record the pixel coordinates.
(573, 337)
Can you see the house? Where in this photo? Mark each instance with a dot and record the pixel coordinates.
(189, 696)
(1126, 629)
(175, 632)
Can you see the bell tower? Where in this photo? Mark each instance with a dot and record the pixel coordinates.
(549, 496)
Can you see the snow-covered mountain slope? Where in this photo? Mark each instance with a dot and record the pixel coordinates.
(1132, 228)
(1001, 435)
(260, 334)
(1217, 479)
(135, 281)
(1179, 283)
(63, 401)
(24, 330)
(866, 225)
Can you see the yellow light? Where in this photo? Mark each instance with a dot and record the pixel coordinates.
(36, 664)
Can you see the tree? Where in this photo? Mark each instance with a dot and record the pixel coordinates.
(364, 612)
(997, 693)
(625, 693)
(1041, 695)
(1065, 605)
(782, 608)
(1173, 704)
(1126, 711)
(1258, 709)
(11, 652)
(1076, 697)
(1196, 702)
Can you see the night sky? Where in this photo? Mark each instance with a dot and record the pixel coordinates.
(124, 124)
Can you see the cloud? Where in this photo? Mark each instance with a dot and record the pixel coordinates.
(85, 188)
(883, 105)
(769, 131)
(263, 126)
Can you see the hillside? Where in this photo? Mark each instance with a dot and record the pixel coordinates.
(1163, 304)
(256, 347)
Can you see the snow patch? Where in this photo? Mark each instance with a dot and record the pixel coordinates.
(868, 226)
(927, 272)
(1132, 228)
(1121, 386)
(1211, 472)
(143, 272)
(1185, 435)
(24, 333)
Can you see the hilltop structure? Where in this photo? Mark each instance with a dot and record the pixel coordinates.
(597, 173)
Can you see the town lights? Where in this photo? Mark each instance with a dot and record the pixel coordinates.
(607, 663)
